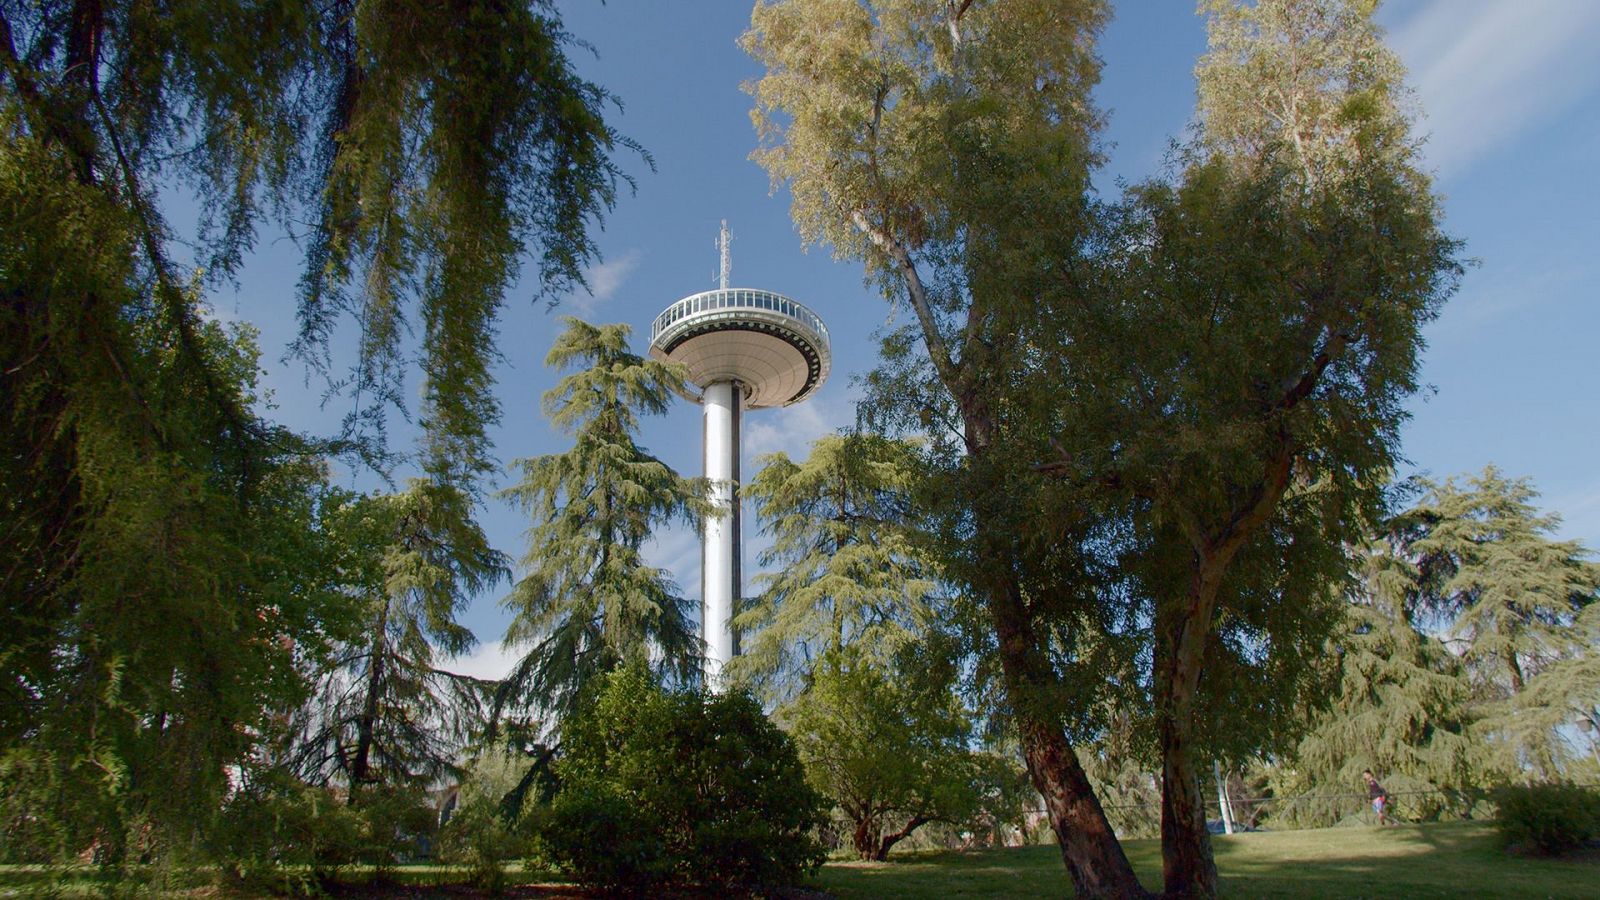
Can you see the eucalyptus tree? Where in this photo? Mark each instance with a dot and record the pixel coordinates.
(1516, 606)
(948, 145)
(586, 601)
(154, 525)
(387, 714)
(1275, 284)
(848, 565)
(1212, 368)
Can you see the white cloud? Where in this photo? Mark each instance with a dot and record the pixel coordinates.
(604, 280)
(791, 429)
(492, 661)
(1487, 70)
(213, 313)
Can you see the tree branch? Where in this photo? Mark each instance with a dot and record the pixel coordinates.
(938, 351)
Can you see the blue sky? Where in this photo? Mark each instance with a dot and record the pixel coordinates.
(1510, 93)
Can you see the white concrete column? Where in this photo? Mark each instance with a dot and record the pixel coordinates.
(720, 569)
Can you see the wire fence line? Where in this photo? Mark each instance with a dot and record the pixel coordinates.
(1312, 809)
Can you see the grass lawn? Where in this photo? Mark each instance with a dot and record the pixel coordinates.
(1444, 860)
(1452, 860)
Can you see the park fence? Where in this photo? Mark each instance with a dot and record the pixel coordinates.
(1313, 809)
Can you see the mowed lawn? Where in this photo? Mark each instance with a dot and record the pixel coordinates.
(1443, 860)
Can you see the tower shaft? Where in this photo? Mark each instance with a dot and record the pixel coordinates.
(720, 560)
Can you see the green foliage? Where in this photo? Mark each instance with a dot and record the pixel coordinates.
(385, 714)
(1211, 371)
(1547, 819)
(661, 788)
(889, 746)
(586, 600)
(1517, 607)
(336, 114)
(1401, 707)
(850, 565)
(477, 833)
(1337, 100)
(276, 831)
(165, 580)
(1468, 657)
(164, 585)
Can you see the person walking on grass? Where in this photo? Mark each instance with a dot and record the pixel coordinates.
(1379, 798)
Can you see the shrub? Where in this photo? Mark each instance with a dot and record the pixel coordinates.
(277, 831)
(1547, 819)
(679, 788)
(479, 834)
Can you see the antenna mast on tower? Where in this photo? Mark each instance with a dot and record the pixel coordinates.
(725, 245)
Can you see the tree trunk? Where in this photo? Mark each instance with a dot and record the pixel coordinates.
(865, 839)
(1187, 868)
(367, 722)
(1089, 847)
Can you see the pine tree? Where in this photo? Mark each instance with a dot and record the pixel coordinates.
(386, 714)
(849, 569)
(586, 601)
(1512, 602)
(1402, 706)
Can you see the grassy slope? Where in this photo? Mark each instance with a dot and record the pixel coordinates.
(1446, 860)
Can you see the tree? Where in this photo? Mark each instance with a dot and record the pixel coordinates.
(1211, 368)
(1402, 706)
(1277, 283)
(660, 789)
(587, 602)
(947, 145)
(386, 714)
(888, 746)
(157, 531)
(161, 594)
(1514, 604)
(850, 570)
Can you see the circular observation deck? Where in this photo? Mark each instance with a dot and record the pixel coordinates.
(774, 347)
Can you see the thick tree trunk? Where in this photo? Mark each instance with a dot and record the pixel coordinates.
(889, 840)
(1089, 846)
(1187, 867)
(865, 839)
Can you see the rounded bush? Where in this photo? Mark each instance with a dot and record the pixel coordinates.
(661, 788)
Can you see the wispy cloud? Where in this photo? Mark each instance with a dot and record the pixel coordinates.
(677, 550)
(604, 280)
(1488, 70)
(492, 660)
(793, 428)
(1512, 289)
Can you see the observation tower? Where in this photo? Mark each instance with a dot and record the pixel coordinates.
(745, 349)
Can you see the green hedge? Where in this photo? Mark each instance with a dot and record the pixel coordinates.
(1547, 819)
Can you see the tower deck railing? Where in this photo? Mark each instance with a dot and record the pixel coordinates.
(734, 300)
